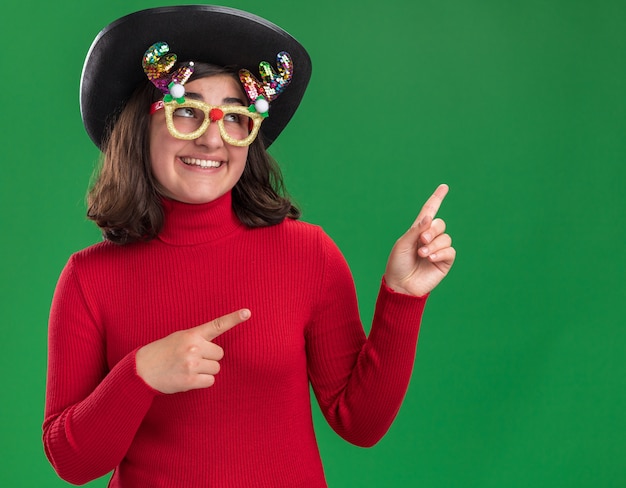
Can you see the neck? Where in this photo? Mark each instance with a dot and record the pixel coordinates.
(188, 224)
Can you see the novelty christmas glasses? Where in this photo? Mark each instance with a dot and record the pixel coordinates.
(190, 119)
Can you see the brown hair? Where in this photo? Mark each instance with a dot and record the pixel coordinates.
(125, 201)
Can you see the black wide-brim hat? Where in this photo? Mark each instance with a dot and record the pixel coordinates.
(205, 33)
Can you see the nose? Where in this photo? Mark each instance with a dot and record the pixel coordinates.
(211, 138)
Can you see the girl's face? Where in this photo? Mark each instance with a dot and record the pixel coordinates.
(203, 169)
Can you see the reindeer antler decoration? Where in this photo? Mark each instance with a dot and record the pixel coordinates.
(157, 64)
(261, 93)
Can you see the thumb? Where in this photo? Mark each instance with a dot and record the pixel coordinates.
(218, 326)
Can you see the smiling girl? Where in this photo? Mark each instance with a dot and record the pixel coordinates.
(183, 347)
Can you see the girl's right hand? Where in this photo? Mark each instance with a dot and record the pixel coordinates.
(187, 359)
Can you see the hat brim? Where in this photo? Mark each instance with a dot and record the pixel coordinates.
(205, 33)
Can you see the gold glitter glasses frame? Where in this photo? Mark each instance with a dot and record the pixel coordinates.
(212, 113)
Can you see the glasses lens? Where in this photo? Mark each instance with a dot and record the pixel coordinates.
(187, 119)
(237, 125)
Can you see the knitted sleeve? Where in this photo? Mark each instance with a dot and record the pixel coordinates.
(360, 382)
(91, 414)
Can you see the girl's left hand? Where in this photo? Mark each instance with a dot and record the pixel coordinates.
(422, 257)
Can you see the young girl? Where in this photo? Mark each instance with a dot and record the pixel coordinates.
(182, 348)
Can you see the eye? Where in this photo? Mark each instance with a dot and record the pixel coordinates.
(236, 118)
(185, 112)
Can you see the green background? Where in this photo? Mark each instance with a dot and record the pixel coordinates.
(519, 106)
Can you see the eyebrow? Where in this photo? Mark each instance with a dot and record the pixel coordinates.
(225, 101)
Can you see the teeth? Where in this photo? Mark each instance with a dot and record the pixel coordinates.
(203, 163)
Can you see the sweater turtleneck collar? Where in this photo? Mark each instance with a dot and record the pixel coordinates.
(187, 224)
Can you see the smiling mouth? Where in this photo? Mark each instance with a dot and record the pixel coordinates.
(202, 163)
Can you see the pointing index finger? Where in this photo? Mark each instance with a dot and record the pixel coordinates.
(218, 326)
(431, 207)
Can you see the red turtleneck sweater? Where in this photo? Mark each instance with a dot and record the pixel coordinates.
(253, 428)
